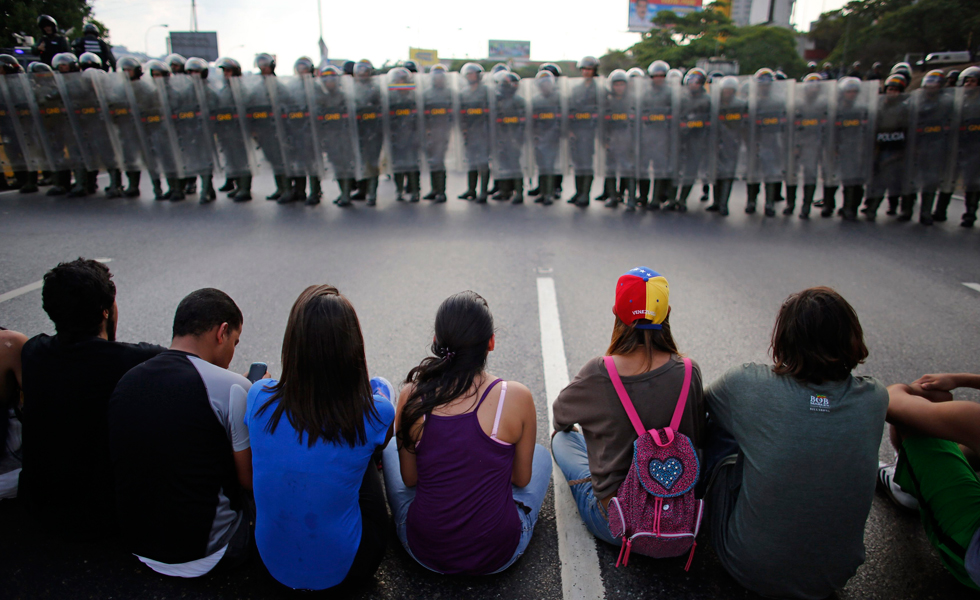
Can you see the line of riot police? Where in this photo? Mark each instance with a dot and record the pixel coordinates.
(649, 137)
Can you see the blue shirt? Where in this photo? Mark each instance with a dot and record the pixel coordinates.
(308, 522)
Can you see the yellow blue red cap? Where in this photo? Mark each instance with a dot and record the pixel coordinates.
(642, 293)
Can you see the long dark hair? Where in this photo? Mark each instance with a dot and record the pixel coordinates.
(626, 339)
(324, 389)
(464, 327)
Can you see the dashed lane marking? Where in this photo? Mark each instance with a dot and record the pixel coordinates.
(580, 577)
(973, 286)
(30, 287)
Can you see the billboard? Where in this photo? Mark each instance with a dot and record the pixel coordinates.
(509, 49)
(202, 44)
(424, 58)
(643, 12)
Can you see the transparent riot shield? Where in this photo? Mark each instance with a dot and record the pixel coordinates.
(810, 130)
(473, 122)
(234, 145)
(154, 121)
(260, 119)
(692, 133)
(16, 154)
(87, 113)
(769, 131)
(370, 127)
(437, 120)
(296, 125)
(545, 126)
(26, 118)
(850, 137)
(509, 109)
(189, 121)
(582, 111)
(727, 150)
(125, 123)
(657, 103)
(892, 152)
(965, 149)
(55, 122)
(335, 124)
(931, 115)
(619, 129)
(402, 122)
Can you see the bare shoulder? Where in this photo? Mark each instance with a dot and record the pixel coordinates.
(404, 395)
(519, 394)
(11, 341)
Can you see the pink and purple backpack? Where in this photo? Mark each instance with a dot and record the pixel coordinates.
(655, 511)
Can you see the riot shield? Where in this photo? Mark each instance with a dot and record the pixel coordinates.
(509, 110)
(154, 118)
(850, 138)
(335, 124)
(25, 112)
(91, 120)
(402, 122)
(125, 124)
(582, 124)
(189, 122)
(55, 123)
(692, 130)
(892, 147)
(727, 151)
(545, 126)
(657, 103)
(234, 145)
(16, 150)
(260, 119)
(296, 124)
(619, 128)
(965, 150)
(437, 119)
(768, 149)
(473, 123)
(931, 115)
(810, 130)
(370, 128)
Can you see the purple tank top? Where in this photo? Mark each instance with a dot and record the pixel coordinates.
(464, 519)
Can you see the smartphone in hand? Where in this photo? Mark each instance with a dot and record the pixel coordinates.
(257, 371)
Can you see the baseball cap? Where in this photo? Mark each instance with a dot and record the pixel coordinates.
(642, 293)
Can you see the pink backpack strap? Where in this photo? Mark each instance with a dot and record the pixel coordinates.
(623, 396)
(675, 421)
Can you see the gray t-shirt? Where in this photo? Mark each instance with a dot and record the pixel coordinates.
(810, 461)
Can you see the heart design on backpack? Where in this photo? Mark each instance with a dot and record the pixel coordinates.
(666, 473)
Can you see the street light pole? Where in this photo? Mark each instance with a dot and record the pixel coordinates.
(146, 39)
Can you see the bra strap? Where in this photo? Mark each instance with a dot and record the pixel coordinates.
(500, 409)
(485, 392)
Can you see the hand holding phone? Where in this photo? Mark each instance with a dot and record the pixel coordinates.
(257, 371)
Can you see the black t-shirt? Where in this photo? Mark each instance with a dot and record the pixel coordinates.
(66, 480)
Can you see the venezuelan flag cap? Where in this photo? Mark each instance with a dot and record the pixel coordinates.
(642, 293)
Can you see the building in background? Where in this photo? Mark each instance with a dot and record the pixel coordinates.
(762, 12)
(509, 50)
(423, 57)
(202, 44)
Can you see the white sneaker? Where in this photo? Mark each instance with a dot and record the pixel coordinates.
(886, 481)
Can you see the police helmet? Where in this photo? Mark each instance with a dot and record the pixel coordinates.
(827, 66)
(157, 68)
(64, 59)
(969, 73)
(764, 75)
(588, 62)
(9, 65)
(715, 76)
(933, 79)
(812, 66)
(876, 66)
(363, 68)
(658, 68)
(229, 65)
(90, 29)
(552, 67)
(411, 65)
(303, 65)
(176, 63)
(130, 63)
(729, 82)
(952, 77)
(636, 72)
(349, 67)
(902, 67)
(39, 68)
(780, 76)
(46, 21)
(812, 77)
(544, 80)
(438, 68)
(675, 74)
(856, 64)
(265, 60)
(507, 79)
(896, 81)
(471, 68)
(618, 76)
(197, 65)
(399, 76)
(695, 76)
(849, 84)
(89, 60)
(330, 71)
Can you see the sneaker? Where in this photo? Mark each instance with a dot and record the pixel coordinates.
(886, 481)
(382, 387)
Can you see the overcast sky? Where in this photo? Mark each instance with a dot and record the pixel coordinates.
(384, 29)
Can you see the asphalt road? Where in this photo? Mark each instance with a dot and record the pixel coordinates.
(397, 262)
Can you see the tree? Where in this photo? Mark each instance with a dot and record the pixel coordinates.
(20, 16)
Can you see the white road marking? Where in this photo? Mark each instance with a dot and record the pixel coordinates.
(973, 286)
(30, 287)
(580, 577)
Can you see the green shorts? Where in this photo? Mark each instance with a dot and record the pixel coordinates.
(939, 476)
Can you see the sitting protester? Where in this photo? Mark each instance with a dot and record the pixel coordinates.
(11, 344)
(180, 450)
(465, 480)
(66, 481)
(596, 460)
(935, 435)
(788, 514)
(321, 516)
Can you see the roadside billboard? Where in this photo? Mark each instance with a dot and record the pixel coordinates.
(202, 44)
(424, 58)
(642, 12)
(509, 49)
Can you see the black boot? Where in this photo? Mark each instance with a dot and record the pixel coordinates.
(518, 187)
(704, 192)
(829, 202)
(243, 192)
(30, 183)
(871, 211)
(190, 185)
(414, 185)
(643, 192)
(584, 200)
(157, 188)
(80, 188)
(893, 202)
(295, 190)
(752, 189)
(280, 188)
(60, 182)
(808, 193)
(942, 207)
(432, 184)
(372, 191)
(346, 185)
(772, 193)
(4, 184)
(229, 185)
(723, 191)
(907, 207)
(315, 192)
(557, 192)
(359, 190)
(790, 200)
(972, 201)
(536, 191)
(471, 179)
(208, 194)
(175, 193)
(925, 210)
(115, 184)
(605, 193)
(609, 192)
(439, 186)
(546, 185)
(91, 182)
(133, 187)
(661, 187)
(852, 201)
(481, 198)
(505, 190)
(399, 186)
(680, 203)
(495, 188)
(630, 194)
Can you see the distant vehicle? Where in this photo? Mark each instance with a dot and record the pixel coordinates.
(944, 58)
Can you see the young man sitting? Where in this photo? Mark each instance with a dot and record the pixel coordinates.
(11, 344)
(937, 439)
(66, 481)
(180, 447)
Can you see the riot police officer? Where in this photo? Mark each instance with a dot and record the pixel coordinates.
(968, 150)
(127, 127)
(546, 118)
(875, 72)
(693, 119)
(656, 121)
(198, 67)
(176, 63)
(336, 128)
(17, 151)
(261, 124)
(583, 117)
(292, 106)
(404, 137)
(891, 139)
(508, 142)
(367, 106)
(851, 130)
(619, 136)
(556, 182)
(731, 116)
(160, 134)
(229, 131)
(402, 183)
(91, 123)
(57, 120)
(932, 113)
(91, 42)
(474, 125)
(53, 42)
(767, 157)
(437, 101)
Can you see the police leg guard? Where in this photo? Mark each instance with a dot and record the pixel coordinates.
(229, 185)
(829, 201)
(518, 186)
(942, 207)
(413, 186)
(609, 192)
(244, 189)
(546, 185)
(907, 207)
(892, 206)
(630, 194)
(30, 183)
(208, 194)
(471, 179)
(643, 192)
(484, 183)
(972, 201)
(176, 191)
(808, 192)
(133, 184)
(372, 191)
(439, 186)
(925, 210)
(81, 185)
(790, 200)
(752, 196)
(345, 185)
(772, 194)
(586, 196)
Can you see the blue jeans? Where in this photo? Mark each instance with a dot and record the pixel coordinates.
(401, 496)
(573, 460)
